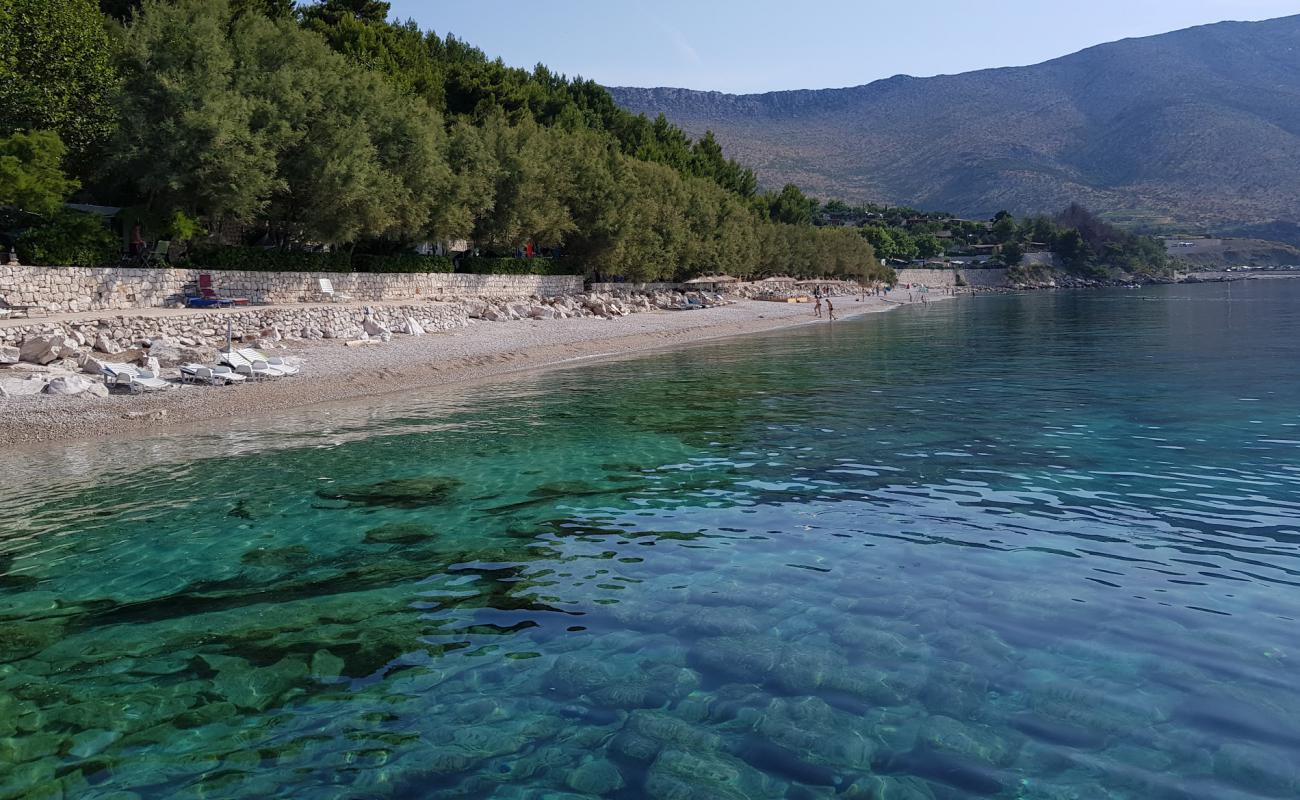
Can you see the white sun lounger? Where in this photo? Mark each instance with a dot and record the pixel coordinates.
(327, 289)
(215, 376)
(249, 368)
(274, 362)
(132, 378)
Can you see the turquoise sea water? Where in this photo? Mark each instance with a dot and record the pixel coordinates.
(1037, 546)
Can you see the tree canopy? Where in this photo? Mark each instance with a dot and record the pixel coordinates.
(31, 175)
(56, 73)
(326, 124)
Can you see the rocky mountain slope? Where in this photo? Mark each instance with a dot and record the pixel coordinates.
(1200, 127)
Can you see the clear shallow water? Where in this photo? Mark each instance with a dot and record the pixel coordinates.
(1035, 547)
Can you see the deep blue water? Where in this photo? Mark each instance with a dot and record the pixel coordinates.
(1038, 546)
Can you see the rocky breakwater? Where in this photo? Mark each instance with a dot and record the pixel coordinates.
(67, 358)
(606, 305)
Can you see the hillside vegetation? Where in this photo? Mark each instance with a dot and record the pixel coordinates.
(1201, 126)
(325, 127)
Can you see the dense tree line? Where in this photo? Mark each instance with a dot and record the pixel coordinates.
(325, 124)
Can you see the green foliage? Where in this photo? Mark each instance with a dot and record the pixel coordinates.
(1004, 228)
(928, 246)
(70, 239)
(31, 178)
(789, 206)
(895, 243)
(56, 73)
(339, 127)
(480, 265)
(183, 228)
(404, 262)
(1013, 253)
(259, 259)
(267, 123)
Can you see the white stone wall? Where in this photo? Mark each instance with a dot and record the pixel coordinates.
(67, 289)
(947, 278)
(307, 321)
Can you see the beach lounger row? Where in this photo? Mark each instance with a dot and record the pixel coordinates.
(133, 379)
(237, 366)
(213, 376)
(252, 363)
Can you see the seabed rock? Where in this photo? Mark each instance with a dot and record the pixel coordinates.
(397, 493)
(598, 777)
(400, 533)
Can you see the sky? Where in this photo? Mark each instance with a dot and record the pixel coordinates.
(767, 45)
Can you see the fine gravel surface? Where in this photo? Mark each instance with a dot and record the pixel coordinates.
(334, 372)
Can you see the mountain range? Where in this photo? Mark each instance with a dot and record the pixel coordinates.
(1199, 128)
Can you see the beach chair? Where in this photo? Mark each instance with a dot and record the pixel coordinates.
(157, 257)
(327, 289)
(274, 362)
(208, 291)
(213, 376)
(257, 369)
(133, 379)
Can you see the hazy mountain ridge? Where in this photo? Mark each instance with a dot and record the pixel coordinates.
(1202, 125)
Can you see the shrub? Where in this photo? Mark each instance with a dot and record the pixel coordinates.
(405, 262)
(257, 259)
(70, 239)
(480, 265)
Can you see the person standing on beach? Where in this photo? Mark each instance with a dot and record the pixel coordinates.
(817, 309)
(830, 309)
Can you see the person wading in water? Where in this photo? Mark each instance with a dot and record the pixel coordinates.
(830, 310)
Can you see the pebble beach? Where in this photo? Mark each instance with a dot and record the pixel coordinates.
(333, 371)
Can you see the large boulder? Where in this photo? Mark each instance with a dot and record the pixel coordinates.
(106, 345)
(8, 354)
(412, 328)
(92, 364)
(541, 312)
(46, 348)
(374, 328)
(22, 386)
(173, 354)
(75, 384)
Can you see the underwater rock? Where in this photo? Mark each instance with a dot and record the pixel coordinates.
(975, 743)
(681, 775)
(23, 639)
(598, 777)
(399, 533)
(90, 742)
(884, 787)
(1260, 770)
(257, 688)
(634, 746)
(1057, 732)
(809, 727)
(572, 675)
(778, 760)
(936, 767)
(325, 666)
(396, 493)
(671, 731)
(284, 557)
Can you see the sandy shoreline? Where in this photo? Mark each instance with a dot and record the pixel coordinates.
(334, 373)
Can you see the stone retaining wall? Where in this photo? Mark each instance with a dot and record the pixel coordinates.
(69, 289)
(308, 322)
(947, 278)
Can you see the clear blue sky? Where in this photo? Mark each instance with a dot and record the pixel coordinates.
(764, 45)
